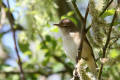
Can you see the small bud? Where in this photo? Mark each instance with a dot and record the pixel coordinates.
(104, 60)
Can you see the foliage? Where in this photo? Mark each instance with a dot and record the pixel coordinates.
(41, 46)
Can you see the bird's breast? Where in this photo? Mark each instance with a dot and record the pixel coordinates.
(70, 44)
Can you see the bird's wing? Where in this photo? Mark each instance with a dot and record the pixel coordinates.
(76, 32)
(86, 40)
(90, 47)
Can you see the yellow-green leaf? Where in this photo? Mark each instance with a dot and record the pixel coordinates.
(114, 53)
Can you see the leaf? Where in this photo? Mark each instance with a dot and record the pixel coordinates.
(54, 44)
(57, 67)
(108, 13)
(69, 17)
(48, 54)
(24, 46)
(73, 1)
(73, 20)
(114, 53)
(116, 23)
(48, 38)
(55, 29)
(28, 52)
(46, 50)
(46, 61)
(70, 13)
(119, 28)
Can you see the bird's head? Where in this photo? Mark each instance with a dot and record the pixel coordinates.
(65, 23)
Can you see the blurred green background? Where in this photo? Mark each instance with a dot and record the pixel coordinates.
(39, 42)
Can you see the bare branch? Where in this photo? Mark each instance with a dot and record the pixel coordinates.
(106, 8)
(77, 11)
(106, 44)
(78, 57)
(45, 73)
(12, 21)
(87, 29)
(83, 35)
(113, 42)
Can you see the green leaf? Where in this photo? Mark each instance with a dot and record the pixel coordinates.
(1, 36)
(70, 13)
(24, 46)
(108, 13)
(114, 53)
(69, 17)
(73, 20)
(119, 28)
(48, 38)
(55, 29)
(28, 52)
(48, 54)
(46, 50)
(57, 67)
(116, 23)
(46, 61)
(74, 1)
(54, 44)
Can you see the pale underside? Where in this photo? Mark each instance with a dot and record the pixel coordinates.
(71, 42)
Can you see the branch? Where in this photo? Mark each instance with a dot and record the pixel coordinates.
(11, 19)
(46, 73)
(78, 57)
(83, 35)
(12, 23)
(106, 8)
(18, 28)
(113, 42)
(77, 11)
(87, 29)
(106, 44)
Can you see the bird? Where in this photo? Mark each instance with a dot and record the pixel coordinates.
(71, 38)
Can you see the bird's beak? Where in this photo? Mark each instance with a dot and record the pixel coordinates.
(56, 24)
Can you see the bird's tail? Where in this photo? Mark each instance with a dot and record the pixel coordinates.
(87, 53)
(92, 65)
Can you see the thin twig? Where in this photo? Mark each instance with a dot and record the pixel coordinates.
(15, 45)
(87, 29)
(78, 57)
(113, 42)
(45, 73)
(106, 44)
(106, 8)
(82, 35)
(77, 10)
